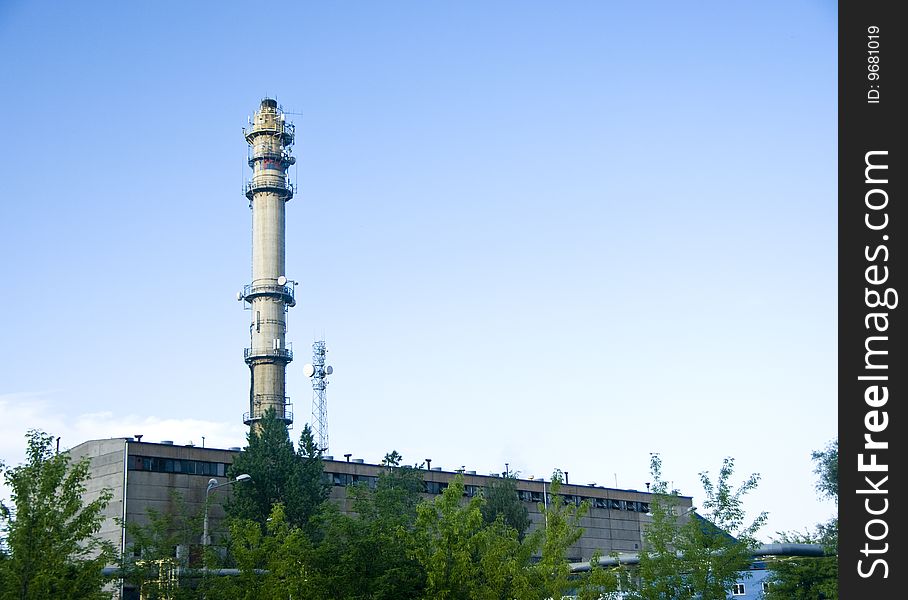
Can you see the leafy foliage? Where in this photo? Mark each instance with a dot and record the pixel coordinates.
(287, 539)
(501, 499)
(826, 467)
(716, 549)
(561, 531)
(274, 561)
(464, 559)
(368, 554)
(808, 577)
(160, 549)
(661, 572)
(51, 551)
(292, 478)
(696, 556)
(803, 578)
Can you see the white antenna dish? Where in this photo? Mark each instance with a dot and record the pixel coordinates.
(308, 370)
(239, 296)
(282, 280)
(329, 369)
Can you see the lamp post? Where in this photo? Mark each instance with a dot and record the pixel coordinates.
(213, 485)
(545, 503)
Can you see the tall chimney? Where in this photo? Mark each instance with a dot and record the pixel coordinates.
(270, 294)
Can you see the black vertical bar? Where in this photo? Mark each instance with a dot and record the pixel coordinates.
(872, 270)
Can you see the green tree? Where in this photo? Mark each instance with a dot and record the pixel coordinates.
(464, 558)
(802, 577)
(687, 556)
(719, 547)
(314, 489)
(392, 459)
(500, 499)
(601, 583)
(280, 474)
(160, 549)
(50, 548)
(273, 561)
(660, 572)
(826, 467)
(369, 554)
(366, 554)
(561, 530)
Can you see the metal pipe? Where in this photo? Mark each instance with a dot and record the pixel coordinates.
(633, 558)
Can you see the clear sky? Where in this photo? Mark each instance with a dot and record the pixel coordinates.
(553, 235)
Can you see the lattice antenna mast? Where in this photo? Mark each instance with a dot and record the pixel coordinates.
(319, 372)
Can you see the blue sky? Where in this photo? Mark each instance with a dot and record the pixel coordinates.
(553, 235)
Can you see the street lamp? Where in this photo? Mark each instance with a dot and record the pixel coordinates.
(213, 485)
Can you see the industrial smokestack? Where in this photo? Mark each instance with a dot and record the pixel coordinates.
(270, 294)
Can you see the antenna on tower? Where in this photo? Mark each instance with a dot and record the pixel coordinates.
(318, 372)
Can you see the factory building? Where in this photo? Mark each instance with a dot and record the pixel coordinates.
(144, 475)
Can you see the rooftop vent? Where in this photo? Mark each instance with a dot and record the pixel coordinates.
(167, 442)
(327, 457)
(358, 461)
(436, 468)
(234, 448)
(471, 472)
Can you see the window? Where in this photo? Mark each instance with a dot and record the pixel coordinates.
(368, 480)
(572, 499)
(766, 585)
(341, 479)
(434, 487)
(737, 589)
(167, 465)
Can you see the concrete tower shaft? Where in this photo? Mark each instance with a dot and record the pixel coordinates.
(270, 294)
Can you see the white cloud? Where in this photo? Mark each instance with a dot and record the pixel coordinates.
(23, 411)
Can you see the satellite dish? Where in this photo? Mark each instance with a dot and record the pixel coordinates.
(282, 280)
(308, 370)
(239, 296)
(329, 369)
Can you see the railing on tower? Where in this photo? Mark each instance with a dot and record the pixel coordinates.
(274, 354)
(284, 292)
(281, 185)
(262, 402)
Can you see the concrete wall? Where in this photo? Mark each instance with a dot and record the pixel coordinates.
(605, 529)
(106, 458)
(150, 489)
